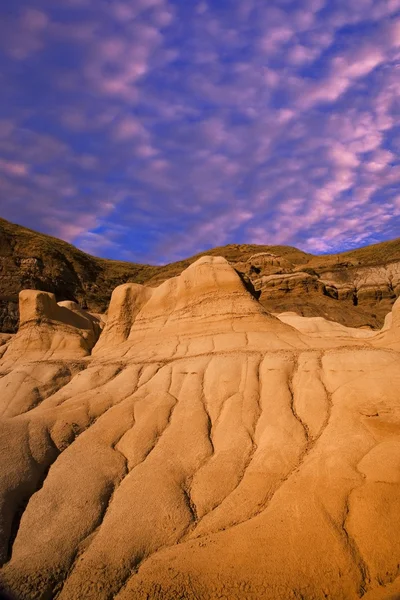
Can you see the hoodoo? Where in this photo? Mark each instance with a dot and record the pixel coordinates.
(204, 309)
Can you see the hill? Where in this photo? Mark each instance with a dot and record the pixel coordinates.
(355, 288)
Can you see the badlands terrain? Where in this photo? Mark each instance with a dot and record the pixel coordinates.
(356, 288)
(193, 445)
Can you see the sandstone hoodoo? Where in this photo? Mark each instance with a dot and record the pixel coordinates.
(206, 308)
(198, 447)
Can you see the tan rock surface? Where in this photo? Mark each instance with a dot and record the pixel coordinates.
(389, 337)
(205, 449)
(51, 330)
(317, 326)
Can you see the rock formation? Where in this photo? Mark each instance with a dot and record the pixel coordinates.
(389, 337)
(355, 293)
(204, 449)
(206, 308)
(51, 330)
(356, 288)
(30, 260)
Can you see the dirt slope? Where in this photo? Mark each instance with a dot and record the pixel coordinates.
(355, 288)
(203, 449)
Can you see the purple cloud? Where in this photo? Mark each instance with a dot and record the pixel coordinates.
(153, 129)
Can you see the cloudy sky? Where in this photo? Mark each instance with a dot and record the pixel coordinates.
(149, 130)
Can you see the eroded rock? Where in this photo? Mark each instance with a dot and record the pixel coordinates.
(51, 330)
(205, 449)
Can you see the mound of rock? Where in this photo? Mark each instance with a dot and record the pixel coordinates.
(206, 308)
(204, 449)
(320, 327)
(51, 330)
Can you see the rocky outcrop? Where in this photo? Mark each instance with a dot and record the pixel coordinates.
(363, 284)
(349, 293)
(355, 288)
(126, 302)
(389, 337)
(204, 449)
(30, 260)
(51, 330)
(206, 307)
(318, 326)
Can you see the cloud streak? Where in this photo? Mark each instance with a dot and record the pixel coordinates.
(153, 129)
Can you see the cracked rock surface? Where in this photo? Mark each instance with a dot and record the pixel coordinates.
(200, 449)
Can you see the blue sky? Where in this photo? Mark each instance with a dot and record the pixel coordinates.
(149, 130)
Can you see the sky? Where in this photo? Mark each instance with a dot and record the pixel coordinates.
(150, 130)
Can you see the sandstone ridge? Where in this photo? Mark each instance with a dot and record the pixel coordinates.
(203, 448)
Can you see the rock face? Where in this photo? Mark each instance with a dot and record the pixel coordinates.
(389, 336)
(205, 308)
(204, 449)
(354, 288)
(357, 292)
(51, 330)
